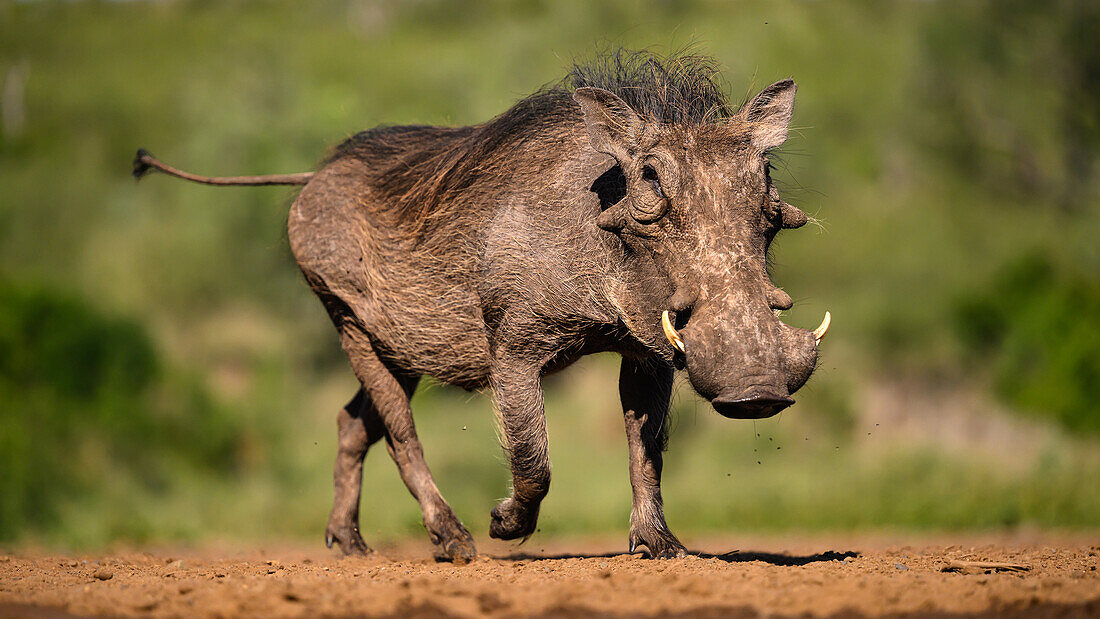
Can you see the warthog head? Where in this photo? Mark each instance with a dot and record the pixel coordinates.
(698, 198)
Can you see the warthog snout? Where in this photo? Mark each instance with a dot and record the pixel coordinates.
(719, 346)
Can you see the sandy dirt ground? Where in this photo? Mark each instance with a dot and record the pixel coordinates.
(888, 575)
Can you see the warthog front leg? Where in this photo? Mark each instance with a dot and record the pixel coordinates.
(390, 394)
(645, 388)
(358, 427)
(518, 393)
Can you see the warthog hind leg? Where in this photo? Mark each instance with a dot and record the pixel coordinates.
(359, 427)
(645, 389)
(390, 393)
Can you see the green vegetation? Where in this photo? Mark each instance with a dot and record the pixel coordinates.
(166, 375)
(85, 400)
(1037, 324)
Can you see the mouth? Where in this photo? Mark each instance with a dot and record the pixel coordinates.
(753, 403)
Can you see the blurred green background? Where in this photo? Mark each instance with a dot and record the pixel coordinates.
(166, 376)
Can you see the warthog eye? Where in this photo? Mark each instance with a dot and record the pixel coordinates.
(649, 175)
(649, 208)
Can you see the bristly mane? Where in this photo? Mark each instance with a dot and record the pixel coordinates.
(426, 173)
(680, 88)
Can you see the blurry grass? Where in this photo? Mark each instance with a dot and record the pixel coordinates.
(933, 142)
(1037, 323)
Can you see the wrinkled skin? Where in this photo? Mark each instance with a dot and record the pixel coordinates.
(490, 256)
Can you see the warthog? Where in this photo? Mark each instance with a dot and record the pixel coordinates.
(628, 208)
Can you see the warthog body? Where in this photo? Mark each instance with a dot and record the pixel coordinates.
(491, 255)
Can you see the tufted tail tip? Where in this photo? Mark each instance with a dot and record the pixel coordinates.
(141, 163)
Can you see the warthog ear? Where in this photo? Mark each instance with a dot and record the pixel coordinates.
(612, 126)
(769, 114)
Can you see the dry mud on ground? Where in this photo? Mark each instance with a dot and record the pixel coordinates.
(899, 575)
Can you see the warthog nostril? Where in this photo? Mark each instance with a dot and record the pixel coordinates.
(753, 403)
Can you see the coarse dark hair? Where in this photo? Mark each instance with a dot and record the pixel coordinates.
(679, 88)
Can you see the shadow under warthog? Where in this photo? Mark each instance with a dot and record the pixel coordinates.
(736, 556)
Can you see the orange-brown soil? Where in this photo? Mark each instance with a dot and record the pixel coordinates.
(895, 575)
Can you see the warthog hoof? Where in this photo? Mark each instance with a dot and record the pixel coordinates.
(457, 551)
(661, 545)
(512, 520)
(452, 541)
(351, 543)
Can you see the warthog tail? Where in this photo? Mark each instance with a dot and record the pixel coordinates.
(144, 162)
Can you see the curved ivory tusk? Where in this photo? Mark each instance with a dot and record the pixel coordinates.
(670, 332)
(823, 328)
